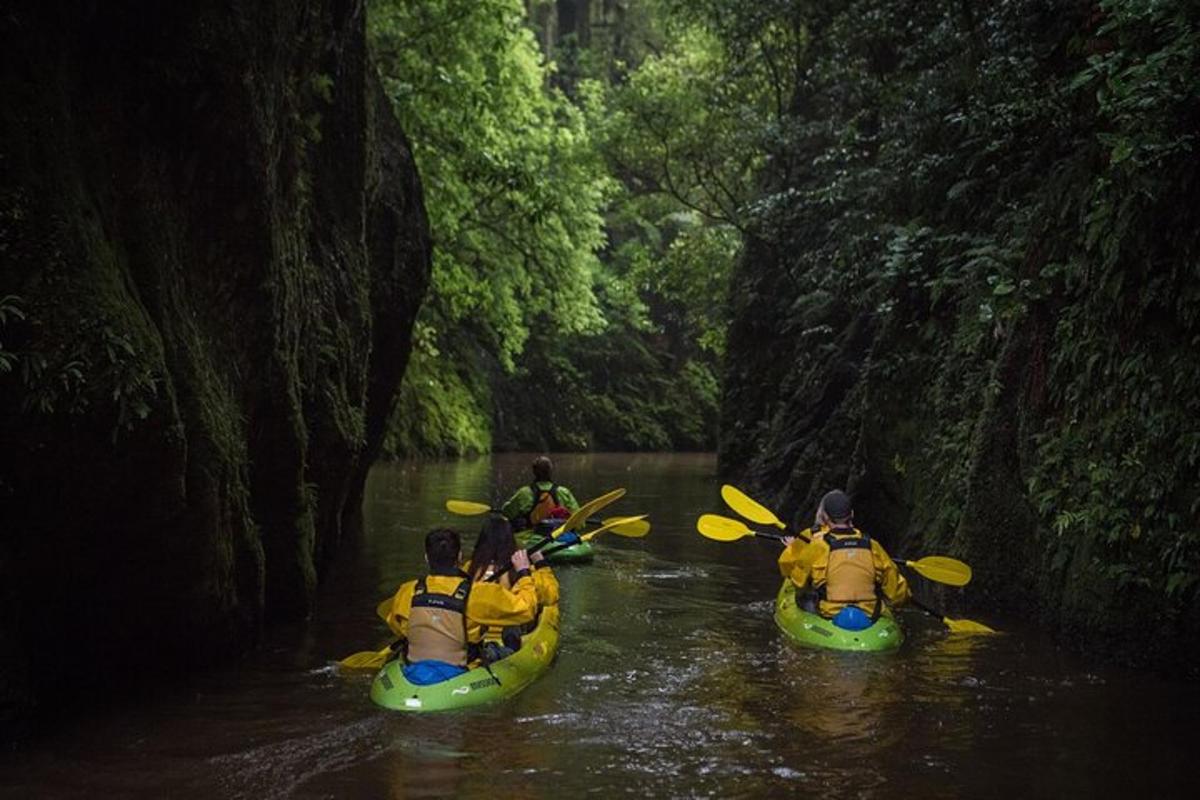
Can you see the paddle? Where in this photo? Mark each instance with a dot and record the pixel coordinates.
(628, 527)
(935, 567)
(374, 659)
(616, 526)
(468, 508)
(586, 510)
(942, 569)
(368, 659)
(947, 570)
(725, 529)
(955, 625)
(634, 528)
(749, 508)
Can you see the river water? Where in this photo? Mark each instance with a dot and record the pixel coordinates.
(671, 681)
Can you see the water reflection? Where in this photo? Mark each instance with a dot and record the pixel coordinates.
(671, 681)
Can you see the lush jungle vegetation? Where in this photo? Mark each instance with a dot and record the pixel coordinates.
(945, 252)
(976, 260)
(586, 205)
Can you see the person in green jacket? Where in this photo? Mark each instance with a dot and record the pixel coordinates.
(541, 499)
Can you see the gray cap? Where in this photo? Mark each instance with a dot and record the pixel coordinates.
(837, 505)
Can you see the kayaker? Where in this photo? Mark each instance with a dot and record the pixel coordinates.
(492, 556)
(542, 499)
(441, 617)
(847, 574)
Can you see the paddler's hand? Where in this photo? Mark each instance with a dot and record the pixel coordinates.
(537, 557)
(787, 540)
(520, 561)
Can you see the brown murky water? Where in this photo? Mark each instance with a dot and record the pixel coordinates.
(671, 681)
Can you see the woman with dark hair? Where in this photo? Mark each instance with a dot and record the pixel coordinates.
(493, 550)
(492, 556)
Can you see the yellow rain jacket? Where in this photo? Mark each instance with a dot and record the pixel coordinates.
(853, 582)
(545, 587)
(489, 605)
(546, 584)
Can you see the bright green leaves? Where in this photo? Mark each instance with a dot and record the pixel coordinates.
(512, 184)
(517, 176)
(681, 127)
(514, 190)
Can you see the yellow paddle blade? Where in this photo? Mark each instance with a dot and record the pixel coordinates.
(466, 508)
(751, 509)
(367, 659)
(966, 626)
(722, 529)
(614, 525)
(384, 609)
(955, 625)
(633, 527)
(942, 569)
(579, 518)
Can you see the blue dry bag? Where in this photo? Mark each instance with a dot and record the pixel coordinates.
(852, 618)
(423, 673)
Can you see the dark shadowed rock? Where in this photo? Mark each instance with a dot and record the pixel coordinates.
(212, 234)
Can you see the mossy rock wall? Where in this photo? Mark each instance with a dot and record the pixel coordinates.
(213, 247)
(974, 301)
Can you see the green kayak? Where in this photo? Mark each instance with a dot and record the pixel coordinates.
(576, 553)
(813, 630)
(504, 678)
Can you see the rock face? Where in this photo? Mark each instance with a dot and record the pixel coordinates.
(213, 246)
(975, 303)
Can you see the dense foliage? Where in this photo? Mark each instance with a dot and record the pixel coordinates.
(514, 191)
(1118, 467)
(978, 245)
(966, 261)
(585, 219)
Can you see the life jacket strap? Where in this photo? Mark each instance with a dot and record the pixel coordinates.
(455, 602)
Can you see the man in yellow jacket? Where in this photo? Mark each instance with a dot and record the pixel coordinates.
(850, 574)
(441, 617)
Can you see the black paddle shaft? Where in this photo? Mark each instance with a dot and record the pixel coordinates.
(533, 549)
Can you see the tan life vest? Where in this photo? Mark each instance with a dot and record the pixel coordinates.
(437, 624)
(850, 570)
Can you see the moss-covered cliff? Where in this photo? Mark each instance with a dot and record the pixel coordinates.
(973, 296)
(213, 247)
